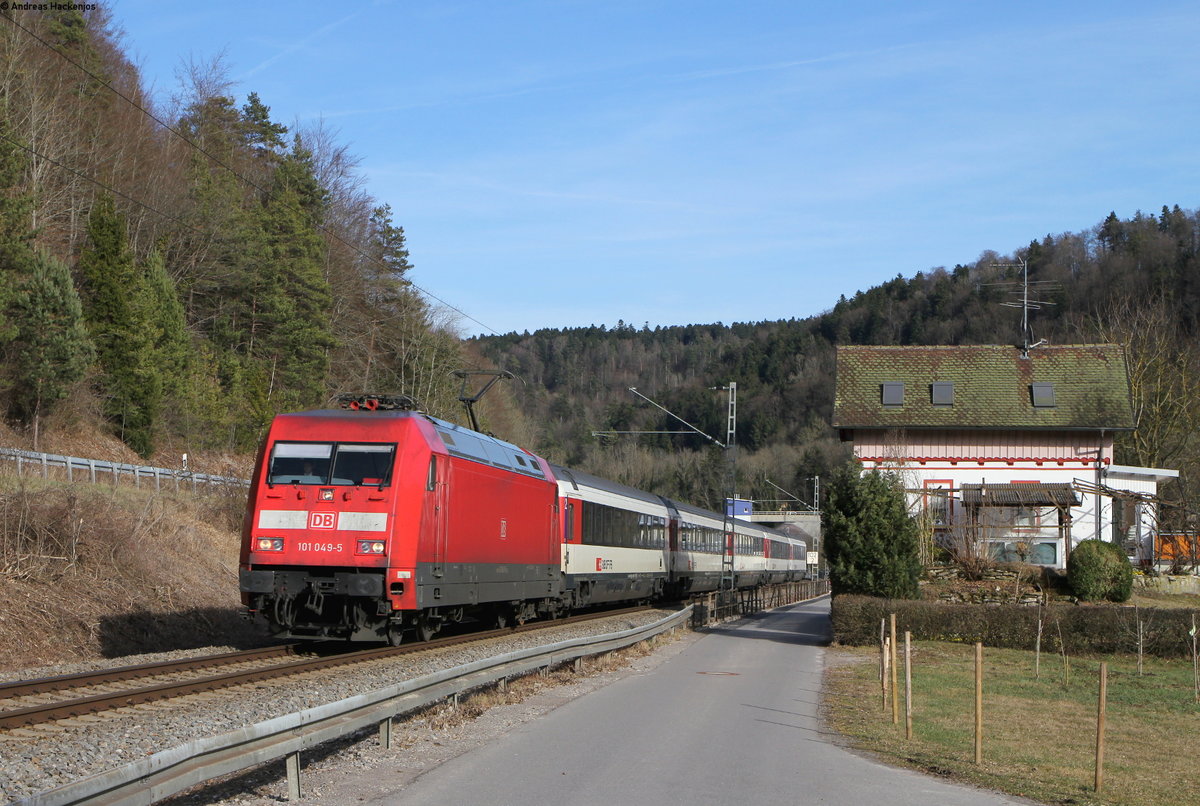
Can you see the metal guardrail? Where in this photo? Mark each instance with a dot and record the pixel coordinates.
(171, 771)
(89, 468)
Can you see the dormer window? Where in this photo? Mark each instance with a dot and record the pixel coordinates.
(893, 394)
(941, 393)
(1042, 394)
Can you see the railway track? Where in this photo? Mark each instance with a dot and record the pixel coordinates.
(26, 703)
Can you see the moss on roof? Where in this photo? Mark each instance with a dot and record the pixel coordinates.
(992, 387)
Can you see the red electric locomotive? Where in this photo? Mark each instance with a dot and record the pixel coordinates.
(375, 520)
(350, 517)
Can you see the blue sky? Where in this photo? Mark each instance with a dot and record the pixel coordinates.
(560, 164)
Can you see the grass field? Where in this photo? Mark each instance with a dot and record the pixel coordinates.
(1167, 600)
(1039, 734)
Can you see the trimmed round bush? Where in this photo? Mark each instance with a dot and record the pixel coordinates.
(1100, 570)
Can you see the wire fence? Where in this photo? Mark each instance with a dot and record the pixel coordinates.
(74, 468)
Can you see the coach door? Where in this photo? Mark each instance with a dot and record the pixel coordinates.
(437, 487)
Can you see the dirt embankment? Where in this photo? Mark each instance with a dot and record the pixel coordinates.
(95, 570)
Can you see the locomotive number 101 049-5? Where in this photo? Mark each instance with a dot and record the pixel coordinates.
(320, 546)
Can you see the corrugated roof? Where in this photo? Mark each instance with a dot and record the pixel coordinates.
(992, 387)
(1011, 495)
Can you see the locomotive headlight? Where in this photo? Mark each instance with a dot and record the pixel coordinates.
(370, 547)
(269, 544)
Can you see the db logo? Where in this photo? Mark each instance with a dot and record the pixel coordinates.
(322, 520)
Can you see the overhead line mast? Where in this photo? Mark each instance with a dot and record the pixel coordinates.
(730, 447)
(727, 575)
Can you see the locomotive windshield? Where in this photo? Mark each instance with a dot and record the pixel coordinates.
(331, 463)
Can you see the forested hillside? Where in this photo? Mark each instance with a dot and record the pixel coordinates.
(1135, 282)
(181, 274)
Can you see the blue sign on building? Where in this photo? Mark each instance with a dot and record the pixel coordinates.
(739, 507)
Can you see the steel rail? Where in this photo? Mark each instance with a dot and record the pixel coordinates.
(65, 709)
(42, 685)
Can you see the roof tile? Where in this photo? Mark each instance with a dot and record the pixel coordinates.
(991, 387)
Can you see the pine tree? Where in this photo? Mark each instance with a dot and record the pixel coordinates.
(51, 350)
(260, 133)
(120, 319)
(870, 539)
(16, 233)
(165, 311)
(292, 296)
(389, 240)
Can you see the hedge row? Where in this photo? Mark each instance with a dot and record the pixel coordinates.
(1085, 630)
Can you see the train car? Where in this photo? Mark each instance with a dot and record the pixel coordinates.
(786, 558)
(614, 542)
(373, 520)
(697, 544)
(749, 555)
(761, 555)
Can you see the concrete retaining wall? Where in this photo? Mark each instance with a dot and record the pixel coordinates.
(1168, 584)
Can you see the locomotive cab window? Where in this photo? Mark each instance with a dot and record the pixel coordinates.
(328, 463)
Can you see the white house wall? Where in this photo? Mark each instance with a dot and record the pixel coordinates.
(919, 475)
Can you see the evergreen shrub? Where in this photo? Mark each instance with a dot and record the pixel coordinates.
(1085, 630)
(870, 539)
(1099, 570)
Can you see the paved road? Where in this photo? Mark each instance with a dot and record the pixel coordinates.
(730, 720)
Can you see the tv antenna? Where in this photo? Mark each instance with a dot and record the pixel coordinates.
(1024, 302)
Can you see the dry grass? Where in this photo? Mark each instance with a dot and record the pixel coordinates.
(91, 570)
(1039, 734)
(1173, 601)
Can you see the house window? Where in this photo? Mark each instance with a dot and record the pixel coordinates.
(893, 393)
(1043, 395)
(941, 393)
(1043, 553)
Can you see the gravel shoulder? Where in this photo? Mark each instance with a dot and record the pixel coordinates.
(360, 770)
(35, 759)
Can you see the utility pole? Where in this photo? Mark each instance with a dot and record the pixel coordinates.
(727, 575)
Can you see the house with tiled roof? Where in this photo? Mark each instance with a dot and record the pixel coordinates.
(1012, 447)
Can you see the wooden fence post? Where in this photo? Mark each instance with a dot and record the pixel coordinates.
(978, 703)
(907, 684)
(1100, 718)
(883, 662)
(895, 685)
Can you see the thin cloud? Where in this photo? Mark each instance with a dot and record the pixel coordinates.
(297, 45)
(722, 72)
